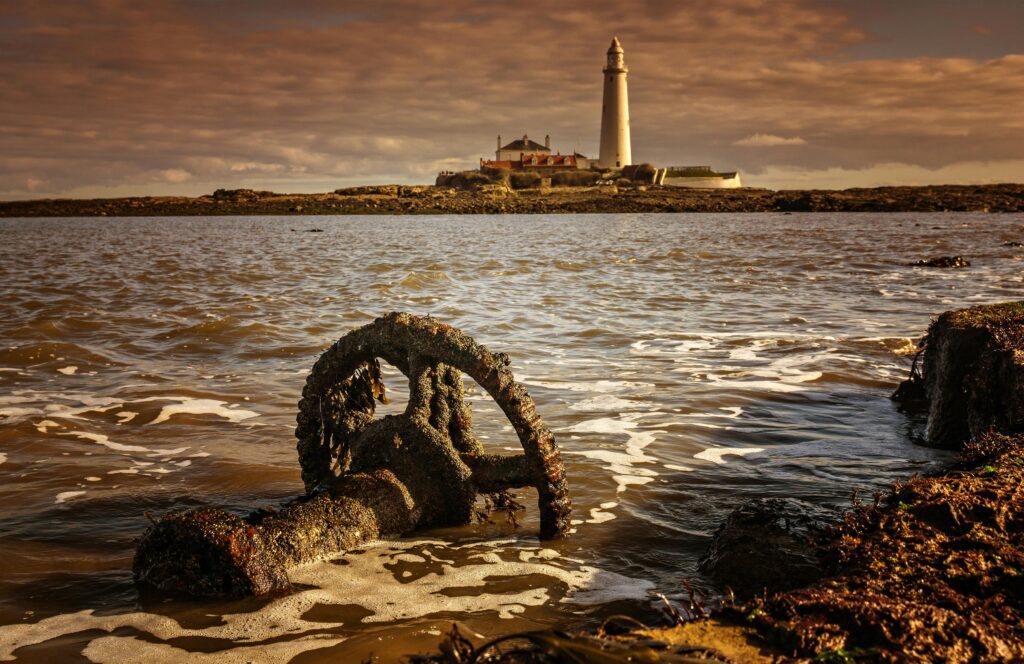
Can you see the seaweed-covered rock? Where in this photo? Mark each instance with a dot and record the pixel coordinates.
(943, 261)
(931, 572)
(974, 373)
(766, 544)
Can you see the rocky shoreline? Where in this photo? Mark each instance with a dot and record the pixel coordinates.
(932, 570)
(495, 199)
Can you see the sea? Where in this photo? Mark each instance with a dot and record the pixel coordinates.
(685, 362)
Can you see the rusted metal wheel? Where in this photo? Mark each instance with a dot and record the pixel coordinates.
(337, 434)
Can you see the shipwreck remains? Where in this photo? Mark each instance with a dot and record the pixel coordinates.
(367, 477)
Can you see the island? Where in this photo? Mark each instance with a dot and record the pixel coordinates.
(482, 196)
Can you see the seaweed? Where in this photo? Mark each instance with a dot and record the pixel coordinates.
(934, 570)
(559, 647)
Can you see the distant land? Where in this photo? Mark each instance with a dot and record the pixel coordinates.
(494, 199)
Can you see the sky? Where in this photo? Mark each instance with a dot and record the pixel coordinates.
(180, 97)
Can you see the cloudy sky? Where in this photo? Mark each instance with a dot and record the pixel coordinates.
(120, 97)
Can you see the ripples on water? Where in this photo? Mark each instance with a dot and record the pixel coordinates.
(685, 363)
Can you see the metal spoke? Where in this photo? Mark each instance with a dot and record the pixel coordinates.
(494, 472)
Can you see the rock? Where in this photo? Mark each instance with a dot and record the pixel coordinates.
(943, 261)
(974, 373)
(765, 544)
(370, 190)
(911, 393)
(1013, 243)
(238, 195)
(929, 573)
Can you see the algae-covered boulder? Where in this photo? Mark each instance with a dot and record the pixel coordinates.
(974, 373)
(943, 261)
(928, 573)
(766, 544)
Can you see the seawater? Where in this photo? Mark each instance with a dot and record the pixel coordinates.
(685, 363)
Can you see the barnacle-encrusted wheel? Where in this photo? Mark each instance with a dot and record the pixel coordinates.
(337, 433)
(367, 478)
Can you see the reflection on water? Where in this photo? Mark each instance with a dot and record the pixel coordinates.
(685, 362)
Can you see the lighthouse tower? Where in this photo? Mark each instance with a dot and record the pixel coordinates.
(615, 147)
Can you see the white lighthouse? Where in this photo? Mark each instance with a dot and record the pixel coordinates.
(615, 147)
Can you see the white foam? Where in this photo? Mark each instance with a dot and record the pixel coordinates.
(65, 496)
(729, 385)
(277, 631)
(715, 454)
(106, 442)
(3, 458)
(17, 413)
(168, 452)
(121, 649)
(605, 403)
(599, 515)
(604, 425)
(43, 426)
(188, 406)
(92, 478)
(87, 404)
(598, 387)
(621, 463)
(68, 371)
(645, 349)
(74, 405)
(745, 354)
(540, 554)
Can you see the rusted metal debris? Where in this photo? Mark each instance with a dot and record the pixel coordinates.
(367, 477)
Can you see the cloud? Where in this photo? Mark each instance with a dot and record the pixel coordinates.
(768, 140)
(175, 175)
(889, 174)
(189, 95)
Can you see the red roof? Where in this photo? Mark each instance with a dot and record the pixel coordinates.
(528, 161)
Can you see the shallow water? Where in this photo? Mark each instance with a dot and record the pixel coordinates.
(685, 363)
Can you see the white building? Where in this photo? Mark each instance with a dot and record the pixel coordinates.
(616, 150)
(516, 149)
(698, 177)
